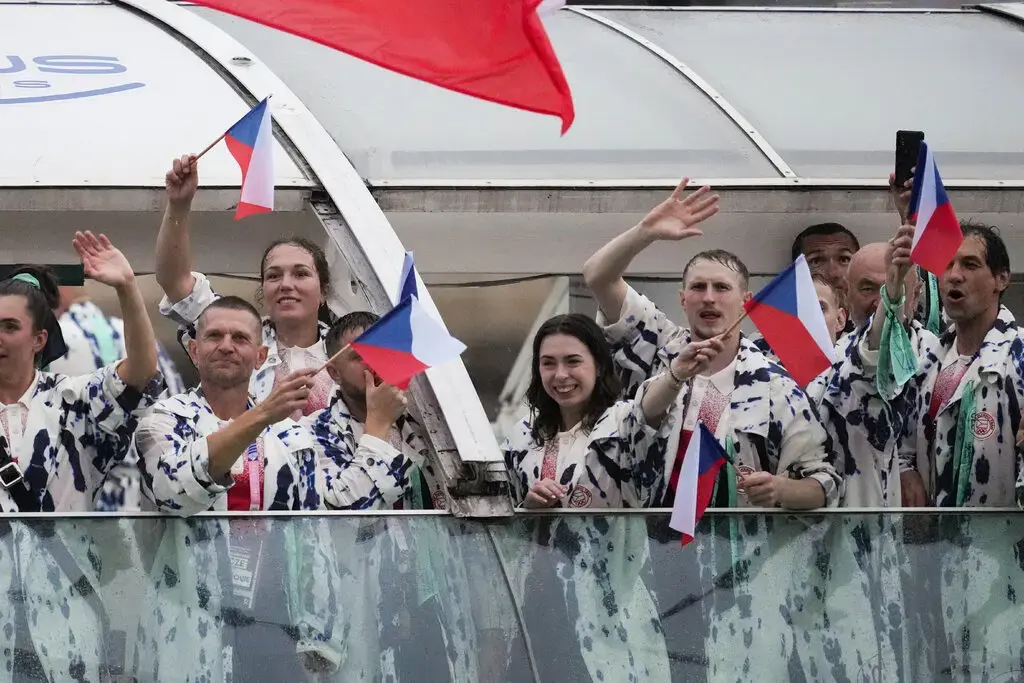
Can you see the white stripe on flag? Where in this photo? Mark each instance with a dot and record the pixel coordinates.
(431, 343)
(258, 187)
(927, 205)
(809, 310)
(684, 509)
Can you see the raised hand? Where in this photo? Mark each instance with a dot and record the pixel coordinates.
(288, 397)
(676, 218)
(897, 259)
(102, 261)
(384, 404)
(182, 180)
(901, 195)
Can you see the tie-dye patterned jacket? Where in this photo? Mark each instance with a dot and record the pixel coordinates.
(863, 429)
(396, 464)
(342, 442)
(773, 425)
(429, 559)
(174, 460)
(77, 430)
(171, 442)
(619, 463)
(993, 465)
(186, 312)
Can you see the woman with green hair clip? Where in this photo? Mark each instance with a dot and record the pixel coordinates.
(59, 436)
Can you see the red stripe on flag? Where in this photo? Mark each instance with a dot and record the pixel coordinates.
(705, 488)
(496, 50)
(792, 343)
(394, 367)
(939, 241)
(246, 209)
(241, 152)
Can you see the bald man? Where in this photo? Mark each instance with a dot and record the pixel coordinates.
(866, 277)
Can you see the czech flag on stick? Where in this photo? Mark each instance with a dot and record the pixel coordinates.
(405, 342)
(937, 234)
(789, 316)
(703, 458)
(407, 284)
(251, 142)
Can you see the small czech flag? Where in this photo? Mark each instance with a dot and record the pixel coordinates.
(405, 342)
(788, 314)
(937, 233)
(251, 142)
(703, 458)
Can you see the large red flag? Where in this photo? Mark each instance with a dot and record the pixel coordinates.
(496, 50)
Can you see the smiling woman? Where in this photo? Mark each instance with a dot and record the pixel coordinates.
(294, 285)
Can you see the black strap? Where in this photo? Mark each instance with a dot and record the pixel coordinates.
(23, 496)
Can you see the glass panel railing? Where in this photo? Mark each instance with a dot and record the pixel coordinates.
(831, 596)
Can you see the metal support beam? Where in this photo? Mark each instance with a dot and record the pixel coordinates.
(734, 115)
(456, 423)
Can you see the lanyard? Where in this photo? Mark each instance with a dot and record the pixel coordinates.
(254, 470)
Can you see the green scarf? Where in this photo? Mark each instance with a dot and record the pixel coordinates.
(896, 361)
(963, 450)
(728, 473)
(934, 316)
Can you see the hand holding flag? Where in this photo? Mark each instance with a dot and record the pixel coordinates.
(251, 143)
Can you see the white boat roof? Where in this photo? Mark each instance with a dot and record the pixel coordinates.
(102, 97)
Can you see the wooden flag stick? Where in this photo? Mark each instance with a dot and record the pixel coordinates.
(733, 327)
(333, 358)
(211, 146)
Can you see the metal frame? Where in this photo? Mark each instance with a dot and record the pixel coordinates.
(662, 183)
(455, 421)
(549, 512)
(766, 8)
(1014, 11)
(723, 104)
(838, 198)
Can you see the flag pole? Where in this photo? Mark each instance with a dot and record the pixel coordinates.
(211, 145)
(333, 358)
(734, 326)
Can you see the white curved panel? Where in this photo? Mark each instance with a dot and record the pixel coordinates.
(100, 97)
(463, 413)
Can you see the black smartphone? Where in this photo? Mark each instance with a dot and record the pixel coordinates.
(908, 144)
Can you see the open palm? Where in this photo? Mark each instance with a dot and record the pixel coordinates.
(101, 260)
(676, 218)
